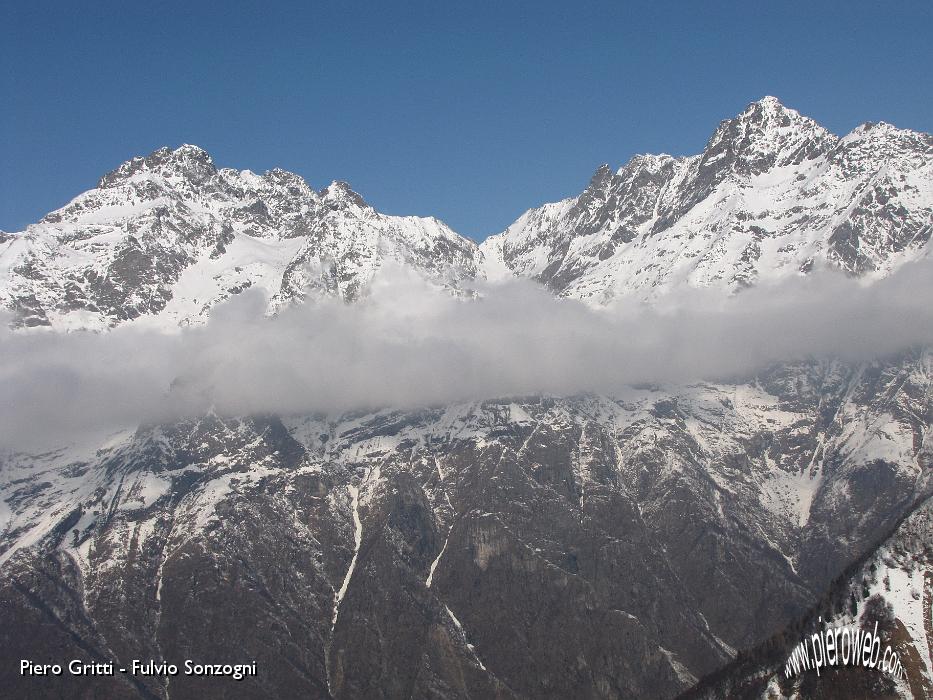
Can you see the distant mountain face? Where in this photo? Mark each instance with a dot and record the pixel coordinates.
(169, 236)
(526, 547)
(772, 195)
(514, 548)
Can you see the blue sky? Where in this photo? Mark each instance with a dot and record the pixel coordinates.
(471, 112)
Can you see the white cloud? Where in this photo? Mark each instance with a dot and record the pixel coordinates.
(407, 345)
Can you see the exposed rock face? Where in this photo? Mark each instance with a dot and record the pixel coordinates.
(893, 587)
(524, 547)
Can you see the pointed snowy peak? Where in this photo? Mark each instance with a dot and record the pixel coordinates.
(289, 180)
(767, 117)
(649, 162)
(601, 177)
(764, 135)
(770, 102)
(339, 195)
(598, 190)
(189, 152)
(770, 109)
(879, 133)
(189, 162)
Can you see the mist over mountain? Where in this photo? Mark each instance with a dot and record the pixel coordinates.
(407, 346)
(596, 455)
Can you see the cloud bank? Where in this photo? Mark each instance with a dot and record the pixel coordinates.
(408, 346)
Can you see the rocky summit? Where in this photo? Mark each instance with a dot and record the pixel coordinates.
(627, 545)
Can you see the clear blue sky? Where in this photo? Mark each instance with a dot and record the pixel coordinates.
(468, 111)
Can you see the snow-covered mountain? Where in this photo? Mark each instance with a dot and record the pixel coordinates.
(518, 547)
(168, 236)
(772, 195)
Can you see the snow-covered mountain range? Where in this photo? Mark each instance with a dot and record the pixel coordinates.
(518, 547)
(169, 236)
(773, 195)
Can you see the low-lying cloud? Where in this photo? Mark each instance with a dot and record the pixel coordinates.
(408, 346)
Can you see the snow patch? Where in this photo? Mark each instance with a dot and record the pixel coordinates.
(357, 541)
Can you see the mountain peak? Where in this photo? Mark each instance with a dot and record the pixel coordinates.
(770, 113)
(651, 162)
(188, 150)
(601, 177)
(769, 102)
(764, 134)
(188, 161)
(339, 194)
(292, 182)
